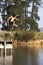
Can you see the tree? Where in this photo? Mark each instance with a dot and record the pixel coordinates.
(20, 7)
(32, 20)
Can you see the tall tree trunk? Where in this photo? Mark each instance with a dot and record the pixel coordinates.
(32, 9)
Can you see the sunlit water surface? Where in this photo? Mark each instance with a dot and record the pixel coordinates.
(23, 56)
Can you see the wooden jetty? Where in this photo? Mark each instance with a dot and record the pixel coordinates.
(5, 45)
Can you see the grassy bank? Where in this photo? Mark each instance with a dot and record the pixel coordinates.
(38, 35)
(21, 35)
(23, 38)
(17, 35)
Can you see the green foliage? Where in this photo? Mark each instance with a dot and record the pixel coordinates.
(6, 35)
(34, 12)
(20, 7)
(0, 0)
(38, 35)
(25, 3)
(33, 24)
(9, 9)
(21, 35)
(24, 35)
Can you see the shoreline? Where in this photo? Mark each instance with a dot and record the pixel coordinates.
(31, 43)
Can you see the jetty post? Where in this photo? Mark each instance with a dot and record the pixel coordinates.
(4, 48)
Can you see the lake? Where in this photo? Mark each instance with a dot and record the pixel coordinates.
(23, 56)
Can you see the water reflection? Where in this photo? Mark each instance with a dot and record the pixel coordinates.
(27, 56)
(40, 57)
(22, 56)
(5, 59)
(32, 57)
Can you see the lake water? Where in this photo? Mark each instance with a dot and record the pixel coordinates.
(23, 56)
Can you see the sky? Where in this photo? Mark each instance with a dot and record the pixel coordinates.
(40, 13)
(0, 20)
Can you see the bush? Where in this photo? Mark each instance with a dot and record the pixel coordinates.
(39, 35)
(7, 36)
(24, 35)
